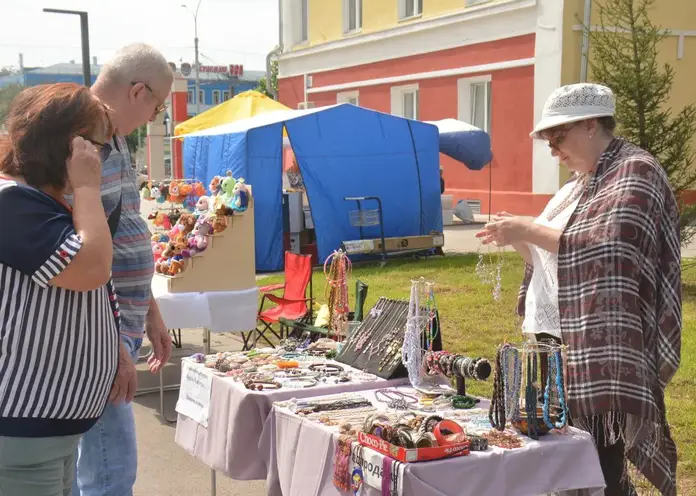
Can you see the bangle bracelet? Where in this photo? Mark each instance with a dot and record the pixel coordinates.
(444, 429)
(261, 385)
(463, 402)
(300, 382)
(326, 368)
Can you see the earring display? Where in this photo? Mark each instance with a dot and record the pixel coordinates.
(376, 346)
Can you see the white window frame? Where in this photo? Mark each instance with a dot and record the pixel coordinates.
(465, 109)
(300, 20)
(226, 95)
(416, 11)
(190, 96)
(346, 16)
(201, 97)
(471, 3)
(217, 97)
(352, 97)
(397, 100)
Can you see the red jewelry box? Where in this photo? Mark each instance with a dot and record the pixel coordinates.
(412, 455)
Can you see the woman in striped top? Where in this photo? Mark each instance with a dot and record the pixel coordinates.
(58, 312)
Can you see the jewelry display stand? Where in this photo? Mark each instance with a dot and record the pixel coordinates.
(375, 346)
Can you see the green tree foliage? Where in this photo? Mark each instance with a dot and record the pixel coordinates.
(263, 86)
(7, 95)
(624, 57)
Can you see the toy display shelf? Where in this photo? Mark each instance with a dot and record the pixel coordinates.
(228, 264)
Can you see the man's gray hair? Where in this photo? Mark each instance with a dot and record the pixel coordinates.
(137, 62)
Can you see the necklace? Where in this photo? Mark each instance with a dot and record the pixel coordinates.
(496, 413)
(337, 287)
(490, 273)
(512, 387)
(530, 404)
(394, 399)
(555, 365)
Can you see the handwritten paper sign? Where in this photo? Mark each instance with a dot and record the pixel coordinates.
(194, 394)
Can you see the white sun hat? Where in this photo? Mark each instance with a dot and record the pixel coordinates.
(574, 103)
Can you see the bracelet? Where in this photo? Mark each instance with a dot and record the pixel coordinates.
(477, 443)
(425, 440)
(463, 402)
(261, 385)
(429, 423)
(300, 382)
(448, 432)
(326, 368)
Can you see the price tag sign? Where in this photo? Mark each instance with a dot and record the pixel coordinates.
(194, 395)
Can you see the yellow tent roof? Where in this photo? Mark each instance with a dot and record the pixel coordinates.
(242, 106)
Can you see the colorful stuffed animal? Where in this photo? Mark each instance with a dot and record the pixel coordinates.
(203, 204)
(219, 223)
(240, 196)
(176, 267)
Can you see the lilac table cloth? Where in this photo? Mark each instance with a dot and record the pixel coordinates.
(555, 463)
(229, 444)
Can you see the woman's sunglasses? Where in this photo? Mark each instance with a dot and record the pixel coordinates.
(104, 149)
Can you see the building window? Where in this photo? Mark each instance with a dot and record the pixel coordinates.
(190, 96)
(225, 95)
(410, 8)
(352, 16)
(201, 97)
(300, 18)
(475, 97)
(404, 101)
(348, 97)
(216, 97)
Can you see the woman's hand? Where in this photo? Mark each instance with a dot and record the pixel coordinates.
(84, 165)
(506, 229)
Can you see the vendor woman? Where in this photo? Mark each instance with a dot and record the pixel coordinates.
(604, 277)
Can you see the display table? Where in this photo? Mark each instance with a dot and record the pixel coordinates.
(236, 420)
(554, 463)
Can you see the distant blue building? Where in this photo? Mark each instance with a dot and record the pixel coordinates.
(216, 85)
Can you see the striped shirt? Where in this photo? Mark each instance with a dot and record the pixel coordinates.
(58, 348)
(134, 264)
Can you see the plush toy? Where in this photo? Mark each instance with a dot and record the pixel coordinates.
(199, 189)
(219, 223)
(174, 194)
(176, 267)
(162, 267)
(198, 242)
(240, 196)
(145, 192)
(215, 185)
(186, 222)
(203, 204)
(157, 250)
(227, 187)
(156, 194)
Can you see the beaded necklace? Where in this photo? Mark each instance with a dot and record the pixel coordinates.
(496, 413)
(395, 399)
(512, 387)
(489, 275)
(530, 403)
(337, 288)
(555, 361)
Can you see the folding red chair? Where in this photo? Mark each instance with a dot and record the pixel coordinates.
(293, 305)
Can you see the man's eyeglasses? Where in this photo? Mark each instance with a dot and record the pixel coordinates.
(104, 149)
(160, 108)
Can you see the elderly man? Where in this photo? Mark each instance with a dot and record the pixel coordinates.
(134, 84)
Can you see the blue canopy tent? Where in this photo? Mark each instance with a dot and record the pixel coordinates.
(342, 151)
(465, 143)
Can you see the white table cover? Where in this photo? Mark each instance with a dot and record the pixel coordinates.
(554, 464)
(220, 311)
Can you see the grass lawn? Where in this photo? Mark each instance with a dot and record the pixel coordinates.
(474, 324)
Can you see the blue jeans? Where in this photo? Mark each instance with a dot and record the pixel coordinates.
(107, 457)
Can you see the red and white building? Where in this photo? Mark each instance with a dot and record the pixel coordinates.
(492, 65)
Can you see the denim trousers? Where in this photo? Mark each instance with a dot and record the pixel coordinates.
(107, 457)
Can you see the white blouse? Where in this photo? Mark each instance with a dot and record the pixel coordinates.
(541, 305)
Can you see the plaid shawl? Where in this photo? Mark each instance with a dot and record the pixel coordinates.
(619, 296)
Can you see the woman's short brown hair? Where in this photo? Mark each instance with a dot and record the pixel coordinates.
(41, 125)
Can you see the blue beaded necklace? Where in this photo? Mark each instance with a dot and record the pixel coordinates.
(555, 362)
(530, 403)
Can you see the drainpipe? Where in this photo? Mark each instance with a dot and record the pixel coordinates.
(276, 51)
(584, 61)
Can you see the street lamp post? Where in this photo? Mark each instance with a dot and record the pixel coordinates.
(84, 30)
(195, 46)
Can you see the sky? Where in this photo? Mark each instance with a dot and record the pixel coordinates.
(229, 31)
